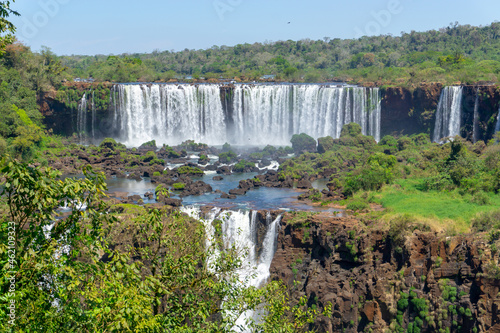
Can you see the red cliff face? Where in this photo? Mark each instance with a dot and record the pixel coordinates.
(373, 285)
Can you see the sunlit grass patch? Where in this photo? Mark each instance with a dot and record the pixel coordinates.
(448, 209)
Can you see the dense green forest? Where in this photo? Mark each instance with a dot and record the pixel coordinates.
(128, 267)
(457, 53)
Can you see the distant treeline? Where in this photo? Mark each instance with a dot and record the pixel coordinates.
(457, 53)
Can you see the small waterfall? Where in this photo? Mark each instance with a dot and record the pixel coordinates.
(260, 114)
(497, 126)
(240, 228)
(475, 126)
(93, 117)
(449, 113)
(81, 122)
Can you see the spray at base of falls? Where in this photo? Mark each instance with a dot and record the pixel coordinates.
(248, 114)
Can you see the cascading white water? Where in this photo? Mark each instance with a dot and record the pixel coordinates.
(475, 124)
(449, 113)
(81, 120)
(92, 104)
(497, 126)
(170, 114)
(261, 114)
(240, 228)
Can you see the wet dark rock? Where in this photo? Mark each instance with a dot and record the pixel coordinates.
(196, 188)
(224, 170)
(246, 184)
(211, 167)
(264, 163)
(224, 195)
(169, 201)
(238, 191)
(134, 197)
(218, 178)
(134, 176)
(304, 184)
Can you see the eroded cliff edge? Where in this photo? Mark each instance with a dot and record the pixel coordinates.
(382, 280)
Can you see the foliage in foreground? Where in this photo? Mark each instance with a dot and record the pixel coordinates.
(151, 272)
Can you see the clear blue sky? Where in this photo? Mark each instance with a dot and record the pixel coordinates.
(126, 26)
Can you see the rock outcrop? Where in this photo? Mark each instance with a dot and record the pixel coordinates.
(432, 281)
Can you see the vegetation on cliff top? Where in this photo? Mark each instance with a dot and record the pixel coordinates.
(457, 53)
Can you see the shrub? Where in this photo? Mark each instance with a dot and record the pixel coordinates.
(156, 174)
(269, 150)
(357, 205)
(110, 143)
(226, 147)
(389, 144)
(203, 159)
(351, 129)
(149, 144)
(3, 146)
(325, 144)
(303, 142)
(161, 190)
(29, 137)
(227, 157)
(480, 198)
(179, 186)
(388, 140)
(486, 221)
(442, 181)
(170, 152)
(193, 146)
(256, 156)
(401, 226)
(150, 155)
(421, 139)
(242, 165)
(372, 176)
(404, 142)
(187, 170)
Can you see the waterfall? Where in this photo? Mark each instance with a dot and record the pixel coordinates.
(93, 117)
(260, 114)
(448, 114)
(475, 126)
(170, 114)
(497, 126)
(81, 120)
(240, 228)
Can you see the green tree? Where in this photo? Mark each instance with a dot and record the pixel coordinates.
(42, 249)
(7, 29)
